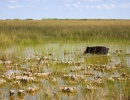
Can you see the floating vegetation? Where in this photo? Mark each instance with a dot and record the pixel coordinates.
(57, 77)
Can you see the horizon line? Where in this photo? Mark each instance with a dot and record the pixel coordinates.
(67, 19)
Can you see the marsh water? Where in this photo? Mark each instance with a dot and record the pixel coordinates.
(62, 59)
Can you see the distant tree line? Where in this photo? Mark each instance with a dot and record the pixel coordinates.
(60, 19)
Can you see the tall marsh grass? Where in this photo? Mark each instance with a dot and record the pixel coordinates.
(36, 31)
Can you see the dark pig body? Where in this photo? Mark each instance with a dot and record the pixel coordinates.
(97, 50)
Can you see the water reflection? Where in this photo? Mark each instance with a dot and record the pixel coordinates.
(60, 59)
(66, 52)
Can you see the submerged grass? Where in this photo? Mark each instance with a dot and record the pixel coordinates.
(26, 32)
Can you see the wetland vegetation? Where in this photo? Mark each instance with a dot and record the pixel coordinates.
(44, 60)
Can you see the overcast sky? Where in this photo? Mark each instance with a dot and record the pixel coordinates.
(73, 9)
